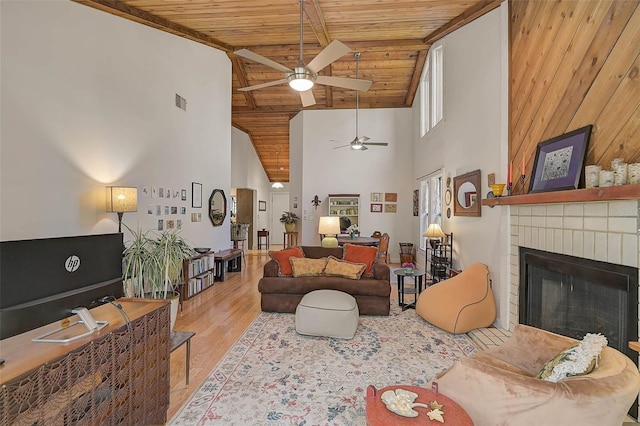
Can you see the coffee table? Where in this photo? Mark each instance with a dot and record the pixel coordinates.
(378, 414)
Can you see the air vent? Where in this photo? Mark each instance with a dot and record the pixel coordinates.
(181, 102)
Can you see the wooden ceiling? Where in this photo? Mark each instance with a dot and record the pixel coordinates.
(393, 37)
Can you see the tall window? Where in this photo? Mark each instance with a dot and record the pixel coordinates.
(430, 203)
(432, 90)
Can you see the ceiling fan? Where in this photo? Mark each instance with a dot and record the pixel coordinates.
(359, 142)
(303, 77)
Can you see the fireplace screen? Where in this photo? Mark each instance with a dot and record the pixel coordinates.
(574, 296)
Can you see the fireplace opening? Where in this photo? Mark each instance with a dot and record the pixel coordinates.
(574, 296)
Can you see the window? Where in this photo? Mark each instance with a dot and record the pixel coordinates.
(432, 90)
(430, 203)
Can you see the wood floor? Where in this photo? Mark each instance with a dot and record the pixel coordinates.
(218, 316)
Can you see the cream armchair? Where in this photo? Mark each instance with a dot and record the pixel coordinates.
(460, 304)
(498, 386)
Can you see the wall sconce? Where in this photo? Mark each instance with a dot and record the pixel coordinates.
(434, 234)
(329, 227)
(122, 199)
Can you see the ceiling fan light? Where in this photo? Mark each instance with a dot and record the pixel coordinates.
(277, 185)
(356, 146)
(301, 79)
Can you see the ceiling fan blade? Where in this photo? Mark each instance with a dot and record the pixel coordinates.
(342, 146)
(376, 143)
(344, 82)
(335, 50)
(364, 148)
(261, 59)
(362, 139)
(307, 98)
(260, 86)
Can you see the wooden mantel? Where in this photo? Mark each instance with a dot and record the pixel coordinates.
(622, 192)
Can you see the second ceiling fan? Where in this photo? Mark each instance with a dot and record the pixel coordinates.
(359, 142)
(302, 77)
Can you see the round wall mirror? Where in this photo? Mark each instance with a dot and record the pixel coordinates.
(466, 194)
(217, 207)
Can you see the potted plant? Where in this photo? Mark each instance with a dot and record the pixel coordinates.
(289, 219)
(152, 266)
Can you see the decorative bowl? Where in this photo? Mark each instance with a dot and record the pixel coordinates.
(202, 250)
(497, 189)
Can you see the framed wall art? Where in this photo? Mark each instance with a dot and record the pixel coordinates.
(376, 207)
(558, 161)
(262, 206)
(416, 197)
(196, 195)
(390, 197)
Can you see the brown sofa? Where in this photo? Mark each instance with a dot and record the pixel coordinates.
(282, 294)
(498, 386)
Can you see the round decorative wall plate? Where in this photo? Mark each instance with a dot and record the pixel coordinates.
(447, 197)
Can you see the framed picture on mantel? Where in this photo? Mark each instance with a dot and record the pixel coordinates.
(559, 161)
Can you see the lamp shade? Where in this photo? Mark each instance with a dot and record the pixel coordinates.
(434, 231)
(329, 225)
(122, 199)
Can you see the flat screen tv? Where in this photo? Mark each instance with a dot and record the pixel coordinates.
(42, 280)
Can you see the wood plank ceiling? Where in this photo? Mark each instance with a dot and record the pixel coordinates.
(393, 37)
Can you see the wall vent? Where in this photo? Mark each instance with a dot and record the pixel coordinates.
(181, 102)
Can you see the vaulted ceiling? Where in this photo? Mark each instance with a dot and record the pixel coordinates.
(392, 36)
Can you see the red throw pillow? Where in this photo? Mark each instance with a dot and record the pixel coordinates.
(282, 259)
(361, 254)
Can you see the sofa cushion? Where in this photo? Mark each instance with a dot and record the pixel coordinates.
(361, 254)
(282, 258)
(305, 267)
(316, 252)
(577, 360)
(342, 268)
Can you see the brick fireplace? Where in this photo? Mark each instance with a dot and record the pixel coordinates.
(606, 231)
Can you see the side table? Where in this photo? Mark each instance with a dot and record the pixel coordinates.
(179, 338)
(378, 414)
(417, 275)
(290, 239)
(263, 234)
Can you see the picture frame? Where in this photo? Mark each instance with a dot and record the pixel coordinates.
(196, 195)
(376, 207)
(559, 161)
(390, 197)
(376, 197)
(390, 208)
(416, 198)
(262, 206)
(467, 200)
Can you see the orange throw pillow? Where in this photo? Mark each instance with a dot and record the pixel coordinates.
(361, 254)
(282, 259)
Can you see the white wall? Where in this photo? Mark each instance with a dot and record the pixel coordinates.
(474, 136)
(88, 101)
(325, 170)
(247, 172)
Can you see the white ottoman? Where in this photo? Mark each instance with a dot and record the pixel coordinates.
(328, 313)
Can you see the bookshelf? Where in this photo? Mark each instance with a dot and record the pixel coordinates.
(345, 205)
(199, 272)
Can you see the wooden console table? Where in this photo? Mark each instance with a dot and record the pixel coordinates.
(230, 259)
(179, 338)
(119, 375)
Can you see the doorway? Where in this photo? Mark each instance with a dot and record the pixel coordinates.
(279, 204)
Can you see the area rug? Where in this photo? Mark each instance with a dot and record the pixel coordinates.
(274, 376)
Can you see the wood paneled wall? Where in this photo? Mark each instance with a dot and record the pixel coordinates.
(574, 63)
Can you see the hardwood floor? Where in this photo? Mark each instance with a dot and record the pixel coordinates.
(218, 316)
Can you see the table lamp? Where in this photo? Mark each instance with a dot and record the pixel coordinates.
(434, 234)
(121, 199)
(329, 227)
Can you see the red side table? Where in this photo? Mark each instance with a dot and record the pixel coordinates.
(378, 414)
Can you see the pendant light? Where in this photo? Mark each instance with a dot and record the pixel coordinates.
(276, 184)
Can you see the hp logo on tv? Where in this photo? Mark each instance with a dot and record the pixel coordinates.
(72, 263)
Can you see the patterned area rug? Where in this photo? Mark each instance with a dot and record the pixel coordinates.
(273, 376)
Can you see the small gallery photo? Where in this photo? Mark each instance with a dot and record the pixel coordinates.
(167, 210)
(161, 192)
(170, 224)
(376, 207)
(179, 223)
(390, 197)
(183, 194)
(390, 208)
(174, 209)
(160, 224)
(376, 197)
(183, 210)
(154, 191)
(151, 209)
(158, 210)
(145, 191)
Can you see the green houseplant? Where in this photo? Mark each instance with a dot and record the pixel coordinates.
(153, 266)
(289, 219)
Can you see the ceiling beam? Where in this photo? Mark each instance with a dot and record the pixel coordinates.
(129, 12)
(415, 78)
(316, 19)
(464, 18)
(238, 70)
